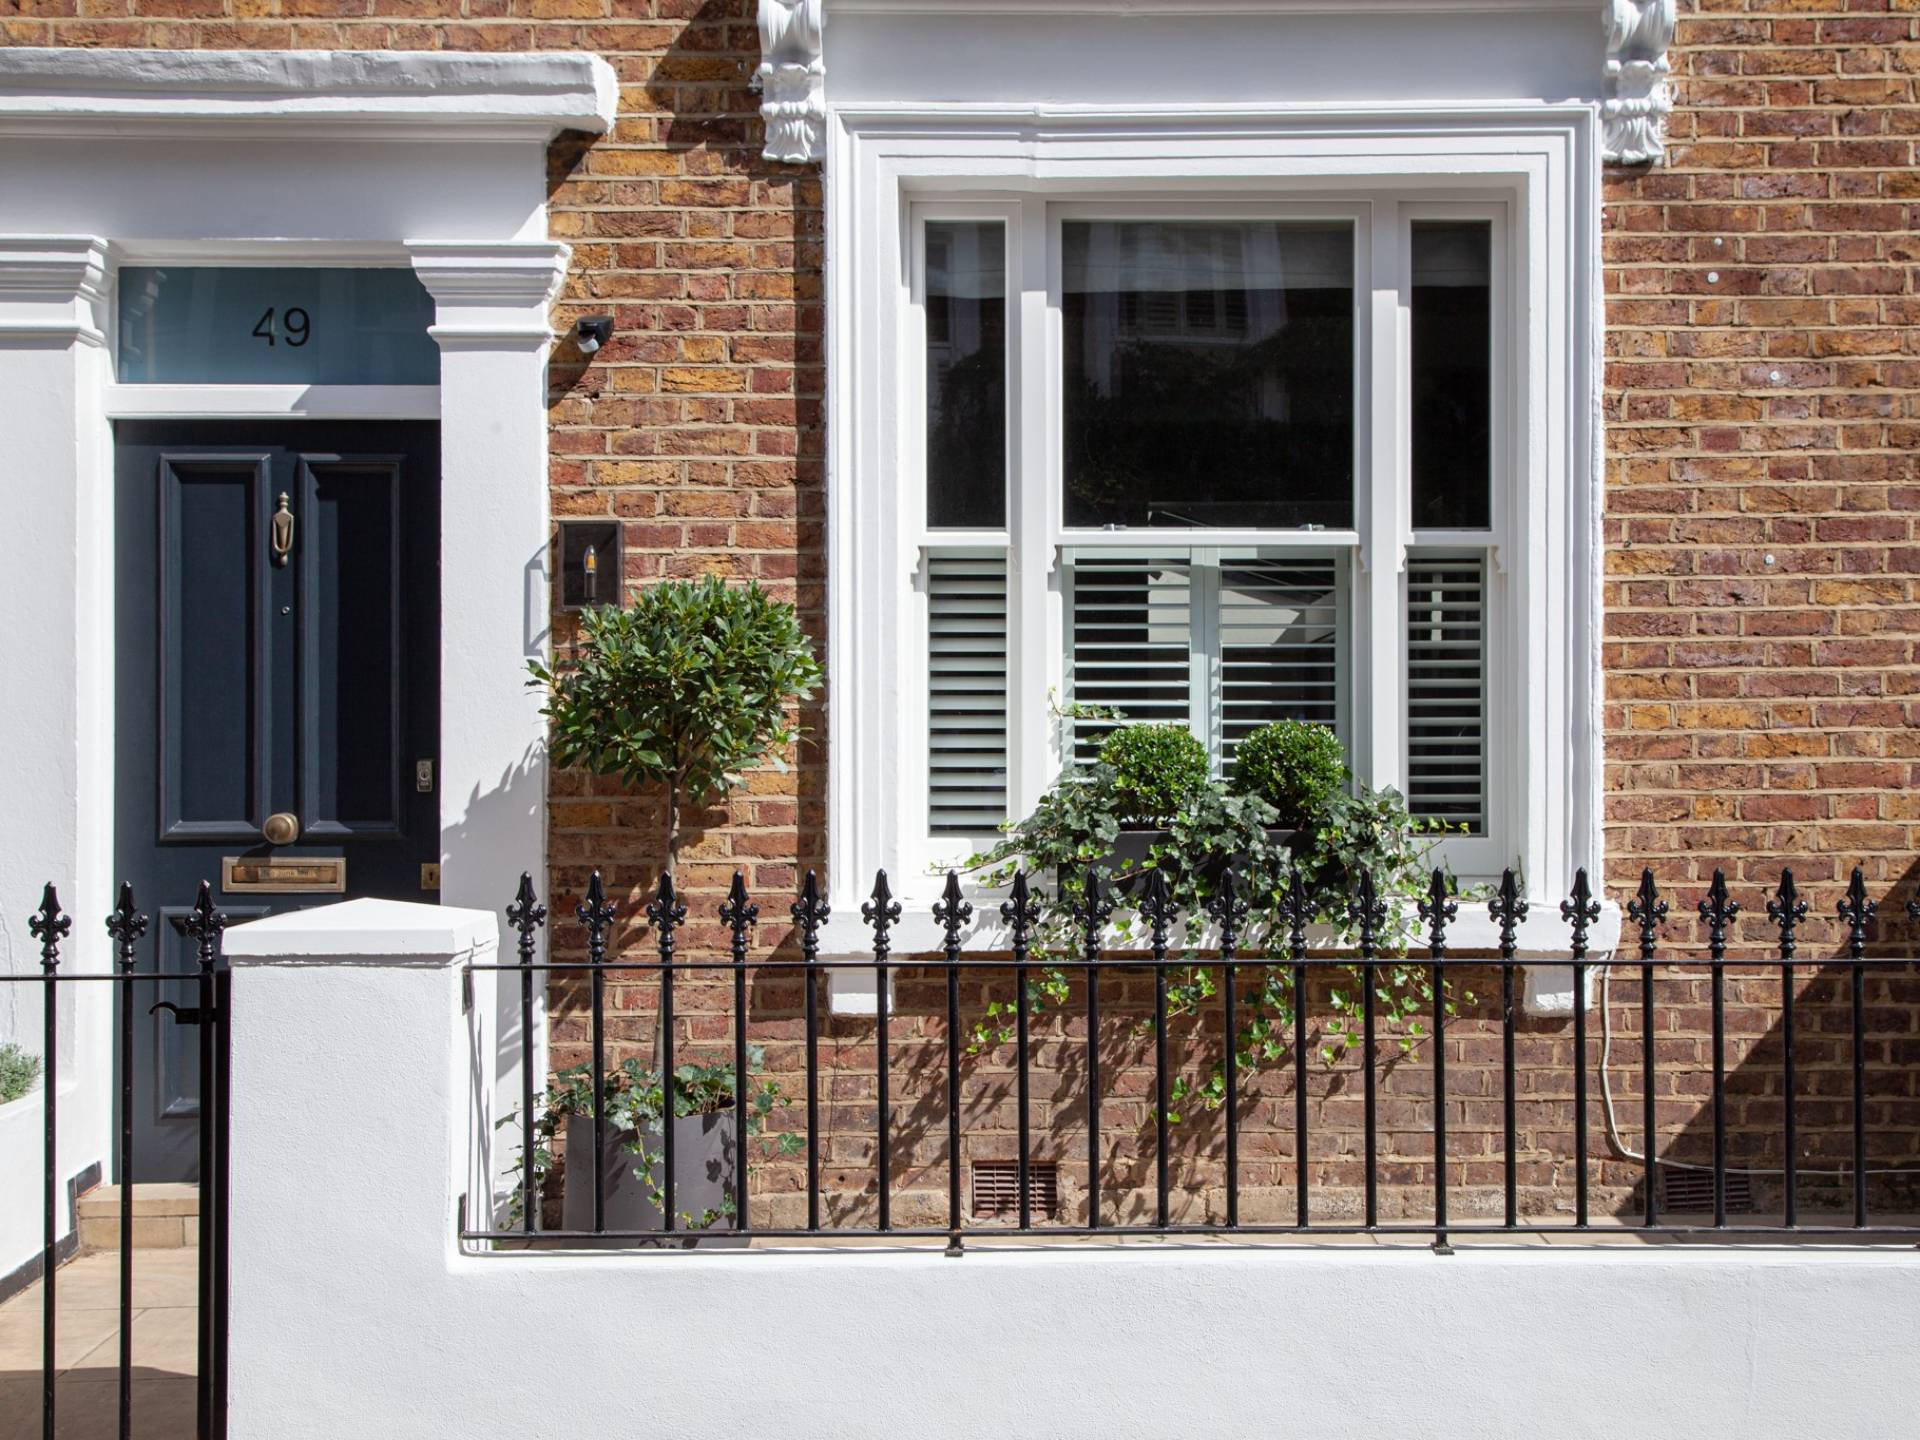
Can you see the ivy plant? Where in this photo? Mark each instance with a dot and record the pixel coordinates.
(688, 688)
(1349, 830)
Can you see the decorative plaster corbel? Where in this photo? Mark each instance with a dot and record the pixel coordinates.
(1637, 97)
(793, 80)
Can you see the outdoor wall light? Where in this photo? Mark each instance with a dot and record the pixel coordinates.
(591, 332)
(591, 572)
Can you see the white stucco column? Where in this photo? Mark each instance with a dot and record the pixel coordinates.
(361, 1136)
(56, 650)
(492, 326)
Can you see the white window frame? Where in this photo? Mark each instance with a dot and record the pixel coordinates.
(892, 168)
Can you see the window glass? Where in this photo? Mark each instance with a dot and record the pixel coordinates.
(1209, 374)
(204, 325)
(966, 374)
(1452, 375)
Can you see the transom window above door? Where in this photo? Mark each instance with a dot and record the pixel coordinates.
(1213, 465)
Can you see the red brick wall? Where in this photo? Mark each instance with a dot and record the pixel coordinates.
(1756, 713)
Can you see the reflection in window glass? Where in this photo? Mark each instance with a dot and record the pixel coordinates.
(1452, 375)
(1209, 374)
(967, 374)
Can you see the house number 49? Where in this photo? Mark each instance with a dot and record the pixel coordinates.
(292, 326)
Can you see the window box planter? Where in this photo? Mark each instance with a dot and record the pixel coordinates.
(1131, 849)
(703, 1157)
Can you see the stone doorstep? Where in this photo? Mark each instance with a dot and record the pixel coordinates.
(165, 1217)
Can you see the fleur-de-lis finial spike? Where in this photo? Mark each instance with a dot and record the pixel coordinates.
(880, 912)
(1298, 913)
(1648, 910)
(1580, 909)
(1091, 913)
(49, 927)
(1227, 909)
(526, 915)
(1786, 909)
(1718, 909)
(596, 914)
(1157, 908)
(810, 912)
(666, 913)
(737, 913)
(1021, 911)
(1507, 910)
(953, 912)
(203, 925)
(1437, 908)
(1856, 910)
(1368, 911)
(125, 927)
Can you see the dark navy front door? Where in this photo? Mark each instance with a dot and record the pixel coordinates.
(277, 603)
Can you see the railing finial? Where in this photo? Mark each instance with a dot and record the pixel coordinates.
(1437, 908)
(1091, 913)
(953, 912)
(810, 912)
(125, 927)
(1786, 909)
(881, 912)
(50, 927)
(1021, 911)
(1368, 910)
(1580, 909)
(203, 925)
(526, 915)
(1718, 910)
(1227, 909)
(1650, 912)
(1857, 910)
(1507, 910)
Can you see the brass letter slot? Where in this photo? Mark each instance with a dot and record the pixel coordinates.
(319, 874)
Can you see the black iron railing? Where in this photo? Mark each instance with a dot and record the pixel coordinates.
(1284, 950)
(136, 995)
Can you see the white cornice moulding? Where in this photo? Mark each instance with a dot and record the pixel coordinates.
(792, 80)
(53, 288)
(400, 95)
(1638, 97)
(490, 297)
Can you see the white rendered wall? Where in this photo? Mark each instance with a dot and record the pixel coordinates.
(370, 1322)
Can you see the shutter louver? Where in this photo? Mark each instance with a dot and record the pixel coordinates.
(1280, 626)
(967, 693)
(1446, 690)
(1131, 644)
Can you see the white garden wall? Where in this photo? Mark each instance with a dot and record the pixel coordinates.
(355, 1314)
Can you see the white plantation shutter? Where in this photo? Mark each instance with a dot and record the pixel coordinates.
(967, 693)
(1224, 646)
(1281, 623)
(1446, 689)
(1130, 642)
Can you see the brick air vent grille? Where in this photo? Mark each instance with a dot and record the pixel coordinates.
(996, 1190)
(1686, 1191)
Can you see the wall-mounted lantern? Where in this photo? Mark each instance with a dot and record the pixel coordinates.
(591, 572)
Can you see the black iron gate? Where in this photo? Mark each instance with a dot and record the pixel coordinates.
(137, 994)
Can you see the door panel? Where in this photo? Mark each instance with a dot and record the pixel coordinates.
(349, 638)
(211, 672)
(267, 671)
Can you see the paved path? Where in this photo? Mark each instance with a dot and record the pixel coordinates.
(88, 1352)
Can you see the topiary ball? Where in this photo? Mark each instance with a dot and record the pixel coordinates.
(1295, 766)
(1157, 770)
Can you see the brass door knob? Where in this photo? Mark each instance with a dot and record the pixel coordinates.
(281, 828)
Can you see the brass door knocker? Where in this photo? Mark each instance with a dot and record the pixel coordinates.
(282, 532)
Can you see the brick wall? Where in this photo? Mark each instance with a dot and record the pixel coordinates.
(1760, 402)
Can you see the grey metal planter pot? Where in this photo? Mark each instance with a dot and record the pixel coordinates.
(703, 1165)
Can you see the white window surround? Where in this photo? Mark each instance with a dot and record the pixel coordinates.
(319, 158)
(1540, 161)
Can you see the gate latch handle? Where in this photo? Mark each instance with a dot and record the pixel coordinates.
(191, 1015)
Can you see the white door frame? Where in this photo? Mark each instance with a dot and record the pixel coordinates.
(429, 160)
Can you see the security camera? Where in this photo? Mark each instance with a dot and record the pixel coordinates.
(592, 332)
